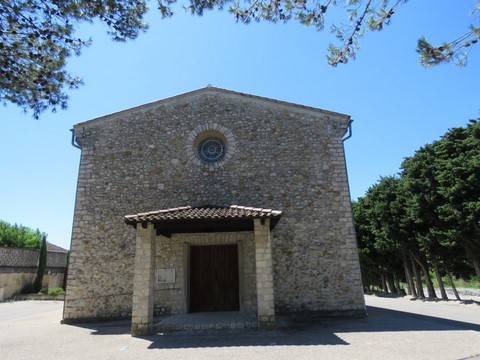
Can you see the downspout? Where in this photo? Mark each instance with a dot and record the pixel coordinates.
(349, 131)
(74, 140)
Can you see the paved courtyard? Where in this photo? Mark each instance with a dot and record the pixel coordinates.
(32, 330)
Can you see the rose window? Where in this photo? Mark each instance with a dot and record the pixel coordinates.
(211, 149)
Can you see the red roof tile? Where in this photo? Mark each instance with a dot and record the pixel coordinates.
(202, 213)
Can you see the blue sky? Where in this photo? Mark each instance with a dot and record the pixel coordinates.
(397, 105)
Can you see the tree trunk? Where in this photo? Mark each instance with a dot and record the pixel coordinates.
(439, 280)
(418, 279)
(473, 255)
(379, 282)
(452, 284)
(391, 284)
(408, 275)
(428, 281)
(397, 284)
(384, 284)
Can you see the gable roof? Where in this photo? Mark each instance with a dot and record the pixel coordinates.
(208, 218)
(202, 213)
(214, 90)
(55, 248)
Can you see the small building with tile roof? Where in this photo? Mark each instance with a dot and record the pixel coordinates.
(213, 200)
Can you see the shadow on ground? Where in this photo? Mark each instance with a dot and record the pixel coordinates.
(462, 302)
(293, 330)
(427, 299)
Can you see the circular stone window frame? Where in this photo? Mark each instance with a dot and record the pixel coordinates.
(204, 132)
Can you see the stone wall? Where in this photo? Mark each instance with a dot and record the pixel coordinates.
(281, 156)
(18, 267)
(12, 280)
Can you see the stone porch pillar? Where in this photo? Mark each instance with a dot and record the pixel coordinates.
(143, 279)
(264, 274)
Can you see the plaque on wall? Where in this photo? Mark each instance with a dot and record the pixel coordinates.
(165, 276)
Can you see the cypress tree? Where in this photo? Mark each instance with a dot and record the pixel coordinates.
(42, 265)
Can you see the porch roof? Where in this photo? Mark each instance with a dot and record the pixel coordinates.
(209, 218)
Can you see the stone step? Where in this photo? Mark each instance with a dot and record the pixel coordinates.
(205, 322)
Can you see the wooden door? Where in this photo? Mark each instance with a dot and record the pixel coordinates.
(214, 278)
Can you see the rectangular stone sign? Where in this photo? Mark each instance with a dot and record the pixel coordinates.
(165, 276)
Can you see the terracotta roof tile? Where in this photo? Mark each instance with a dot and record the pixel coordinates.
(208, 212)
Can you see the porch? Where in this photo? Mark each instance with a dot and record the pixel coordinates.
(203, 290)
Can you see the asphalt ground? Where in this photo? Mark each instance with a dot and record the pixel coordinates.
(394, 329)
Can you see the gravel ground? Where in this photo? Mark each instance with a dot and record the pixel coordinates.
(464, 293)
(394, 329)
(467, 295)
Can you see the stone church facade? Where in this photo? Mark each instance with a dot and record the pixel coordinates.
(213, 200)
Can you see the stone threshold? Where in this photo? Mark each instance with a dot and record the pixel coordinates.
(205, 322)
(24, 297)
